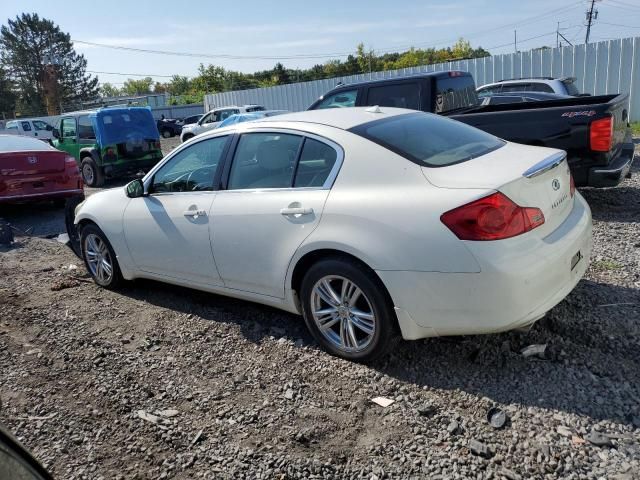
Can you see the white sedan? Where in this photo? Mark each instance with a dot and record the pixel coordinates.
(370, 223)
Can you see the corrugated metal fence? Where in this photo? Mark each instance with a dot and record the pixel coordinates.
(605, 67)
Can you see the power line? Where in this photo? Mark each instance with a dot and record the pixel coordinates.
(527, 20)
(618, 25)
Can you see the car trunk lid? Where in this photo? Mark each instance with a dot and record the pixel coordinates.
(30, 163)
(529, 176)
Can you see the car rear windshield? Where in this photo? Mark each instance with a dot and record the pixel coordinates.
(429, 140)
(571, 87)
(455, 92)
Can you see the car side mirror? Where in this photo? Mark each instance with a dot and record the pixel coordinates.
(135, 189)
(55, 132)
(17, 462)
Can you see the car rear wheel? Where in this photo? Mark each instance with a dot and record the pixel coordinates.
(187, 137)
(166, 133)
(347, 310)
(92, 175)
(99, 257)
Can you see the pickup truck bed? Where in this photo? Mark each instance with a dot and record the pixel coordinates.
(563, 124)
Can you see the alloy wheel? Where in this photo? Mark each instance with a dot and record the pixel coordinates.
(343, 313)
(87, 174)
(98, 259)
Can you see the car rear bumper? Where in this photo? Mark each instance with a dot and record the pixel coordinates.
(130, 167)
(612, 174)
(33, 197)
(520, 280)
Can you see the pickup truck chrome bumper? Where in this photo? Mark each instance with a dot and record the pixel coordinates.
(614, 173)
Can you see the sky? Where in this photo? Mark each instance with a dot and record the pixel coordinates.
(248, 35)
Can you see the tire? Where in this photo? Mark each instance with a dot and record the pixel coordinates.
(374, 328)
(96, 250)
(92, 175)
(187, 137)
(166, 133)
(72, 229)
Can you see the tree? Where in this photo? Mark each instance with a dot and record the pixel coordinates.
(43, 64)
(109, 90)
(137, 86)
(178, 85)
(7, 95)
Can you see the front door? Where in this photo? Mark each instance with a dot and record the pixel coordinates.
(68, 138)
(167, 232)
(274, 197)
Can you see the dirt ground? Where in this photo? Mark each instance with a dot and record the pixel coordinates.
(155, 381)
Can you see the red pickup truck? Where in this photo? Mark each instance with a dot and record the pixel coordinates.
(32, 170)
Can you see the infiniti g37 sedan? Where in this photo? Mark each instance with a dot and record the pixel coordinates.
(370, 223)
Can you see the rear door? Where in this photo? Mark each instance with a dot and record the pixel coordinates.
(276, 188)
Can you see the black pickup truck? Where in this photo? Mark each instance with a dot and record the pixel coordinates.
(593, 130)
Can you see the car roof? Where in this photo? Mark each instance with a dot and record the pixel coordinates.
(18, 143)
(446, 73)
(343, 118)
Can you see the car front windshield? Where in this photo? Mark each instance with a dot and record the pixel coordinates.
(429, 140)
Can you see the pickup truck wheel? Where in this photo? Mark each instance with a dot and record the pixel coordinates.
(166, 133)
(92, 175)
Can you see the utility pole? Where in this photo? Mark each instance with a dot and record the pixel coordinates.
(558, 36)
(515, 40)
(591, 16)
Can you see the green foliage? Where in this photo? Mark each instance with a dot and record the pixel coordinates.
(7, 95)
(27, 44)
(137, 86)
(109, 90)
(635, 128)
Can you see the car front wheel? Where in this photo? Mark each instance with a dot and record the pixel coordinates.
(99, 257)
(347, 310)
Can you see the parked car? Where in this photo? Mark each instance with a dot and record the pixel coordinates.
(189, 120)
(594, 130)
(561, 86)
(109, 142)
(368, 222)
(520, 97)
(169, 127)
(212, 119)
(30, 128)
(248, 117)
(31, 170)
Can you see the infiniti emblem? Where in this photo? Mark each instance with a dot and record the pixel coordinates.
(555, 184)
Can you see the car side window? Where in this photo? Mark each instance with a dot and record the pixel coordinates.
(264, 160)
(224, 114)
(345, 98)
(26, 126)
(402, 95)
(516, 87)
(208, 118)
(69, 127)
(85, 128)
(316, 162)
(487, 91)
(540, 87)
(192, 169)
(39, 125)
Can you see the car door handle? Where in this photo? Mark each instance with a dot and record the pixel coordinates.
(296, 211)
(195, 213)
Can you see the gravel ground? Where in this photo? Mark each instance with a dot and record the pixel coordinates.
(156, 381)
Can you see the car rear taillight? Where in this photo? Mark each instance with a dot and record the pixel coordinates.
(492, 218)
(572, 185)
(110, 151)
(601, 134)
(71, 164)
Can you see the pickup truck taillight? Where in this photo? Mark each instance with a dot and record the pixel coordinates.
(494, 217)
(601, 134)
(71, 164)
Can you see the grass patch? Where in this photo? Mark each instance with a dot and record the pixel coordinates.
(607, 265)
(635, 128)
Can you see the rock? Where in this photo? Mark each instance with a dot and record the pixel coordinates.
(168, 413)
(510, 474)
(598, 439)
(427, 409)
(496, 417)
(478, 448)
(289, 394)
(565, 431)
(453, 428)
(534, 351)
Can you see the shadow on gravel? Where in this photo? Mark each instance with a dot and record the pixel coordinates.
(618, 204)
(592, 364)
(42, 218)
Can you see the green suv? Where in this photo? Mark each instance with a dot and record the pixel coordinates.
(109, 142)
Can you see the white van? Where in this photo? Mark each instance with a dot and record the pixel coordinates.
(31, 128)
